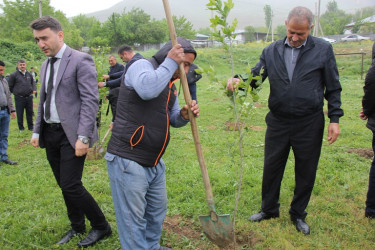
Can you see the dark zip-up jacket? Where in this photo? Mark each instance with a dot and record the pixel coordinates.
(21, 85)
(368, 100)
(315, 77)
(116, 78)
(115, 68)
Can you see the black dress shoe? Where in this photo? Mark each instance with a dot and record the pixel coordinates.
(369, 215)
(7, 161)
(69, 235)
(262, 216)
(302, 226)
(94, 236)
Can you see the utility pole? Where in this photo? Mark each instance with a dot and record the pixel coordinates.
(317, 19)
(114, 29)
(40, 8)
(272, 23)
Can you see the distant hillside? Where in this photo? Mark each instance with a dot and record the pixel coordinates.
(247, 12)
(194, 10)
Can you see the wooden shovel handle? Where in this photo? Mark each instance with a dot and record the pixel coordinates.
(105, 136)
(194, 128)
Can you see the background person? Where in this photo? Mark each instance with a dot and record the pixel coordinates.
(66, 125)
(368, 113)
(6, 108)
(302, 72)
(34, 74)
(22, 85)
(114, 80)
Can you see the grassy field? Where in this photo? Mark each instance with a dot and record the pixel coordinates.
(33, 214)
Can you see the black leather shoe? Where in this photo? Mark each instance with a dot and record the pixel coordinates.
(94, 236)
(69, 235)
(370, 216)
(302, 226)
(7, 161)
(262, 216)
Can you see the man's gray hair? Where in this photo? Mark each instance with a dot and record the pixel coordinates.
(301, 14)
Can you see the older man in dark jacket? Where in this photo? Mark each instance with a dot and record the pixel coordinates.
(22, 85)
(368, 112)
(302, 72)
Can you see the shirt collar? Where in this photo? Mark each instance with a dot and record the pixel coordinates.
(288, 44)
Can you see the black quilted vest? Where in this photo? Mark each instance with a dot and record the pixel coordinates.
(141, 129)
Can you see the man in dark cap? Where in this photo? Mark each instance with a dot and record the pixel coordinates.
(147, 105)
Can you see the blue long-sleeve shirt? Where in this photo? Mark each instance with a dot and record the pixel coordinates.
(149, 83)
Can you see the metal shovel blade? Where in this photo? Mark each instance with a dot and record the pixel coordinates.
(218, 228)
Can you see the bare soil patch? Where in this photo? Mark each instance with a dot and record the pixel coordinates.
(363, 152)
(23, 143)
(259, 105)
(185, 228)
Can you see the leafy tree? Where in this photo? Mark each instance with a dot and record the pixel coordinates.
(18, 15)
(363, 13)
(333, 21)
(85, 24)
(268, 15)
(363, 26)
(72, 37)
(134, 27)
(249, 34)
(204, 31)
(14, 25)
(280, 31)
(98, 36)
(184, 28)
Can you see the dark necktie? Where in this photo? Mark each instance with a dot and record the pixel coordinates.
(49, 89)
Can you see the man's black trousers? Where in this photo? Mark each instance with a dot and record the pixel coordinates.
(370, 200)
(24, 103)
(67, 169)
(112, 98)
(304, 136)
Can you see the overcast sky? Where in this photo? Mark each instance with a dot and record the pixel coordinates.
(81, 6)
(280, 7)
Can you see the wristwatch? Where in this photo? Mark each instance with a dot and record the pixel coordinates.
(84, 139)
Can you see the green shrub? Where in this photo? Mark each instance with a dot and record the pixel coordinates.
(11, 52)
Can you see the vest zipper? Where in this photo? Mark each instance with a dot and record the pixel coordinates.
(170, 84)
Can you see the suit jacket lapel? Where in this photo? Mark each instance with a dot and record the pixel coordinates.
(43, 71)
(63, 64)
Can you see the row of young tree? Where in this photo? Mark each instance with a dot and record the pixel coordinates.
(138, 27)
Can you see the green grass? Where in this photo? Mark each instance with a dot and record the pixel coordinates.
(33, 214)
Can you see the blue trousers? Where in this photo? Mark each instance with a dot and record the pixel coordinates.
(140, 201)
(4, 132)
